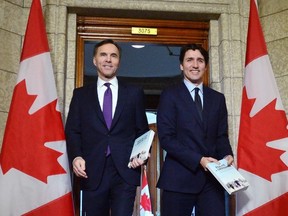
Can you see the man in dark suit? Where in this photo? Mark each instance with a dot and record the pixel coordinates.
(192, 137)
(99, 150)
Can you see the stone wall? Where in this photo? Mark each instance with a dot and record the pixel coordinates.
(274, 19)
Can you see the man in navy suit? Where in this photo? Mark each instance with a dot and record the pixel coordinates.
(100, 152)
(192, 138)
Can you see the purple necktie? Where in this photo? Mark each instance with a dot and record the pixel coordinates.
(107, 105)
(107, 109)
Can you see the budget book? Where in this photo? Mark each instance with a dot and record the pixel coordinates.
(228, 176)
(142, 146)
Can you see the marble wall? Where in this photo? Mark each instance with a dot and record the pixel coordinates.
(227, 39)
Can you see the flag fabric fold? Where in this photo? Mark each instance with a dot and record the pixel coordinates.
(263, 135)
(34, 169)
(145, 201)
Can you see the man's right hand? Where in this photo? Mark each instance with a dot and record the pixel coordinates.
(79, 167)
(205, 160)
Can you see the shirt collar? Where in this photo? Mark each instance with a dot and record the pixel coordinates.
(191, 86)
(113, 81)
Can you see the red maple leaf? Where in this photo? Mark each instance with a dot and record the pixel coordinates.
(23, 144)
(145, 202)
(267, 125)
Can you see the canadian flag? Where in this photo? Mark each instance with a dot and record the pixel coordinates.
(145, 202)
(263, 135)
(34, 171)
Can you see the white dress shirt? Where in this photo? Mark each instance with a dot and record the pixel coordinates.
(190, 86)
(101, 88)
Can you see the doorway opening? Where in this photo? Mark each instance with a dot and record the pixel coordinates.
(154, 66)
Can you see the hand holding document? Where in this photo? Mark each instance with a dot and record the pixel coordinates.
(142, 147)
(228, 176)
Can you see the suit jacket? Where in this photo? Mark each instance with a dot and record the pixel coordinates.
(186, 138)
(88, 136)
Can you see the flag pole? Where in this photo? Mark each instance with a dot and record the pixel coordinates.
(81, 202)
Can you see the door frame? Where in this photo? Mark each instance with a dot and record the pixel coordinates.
(169, 32)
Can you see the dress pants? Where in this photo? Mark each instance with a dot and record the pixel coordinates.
(209, 202)
(113, 196)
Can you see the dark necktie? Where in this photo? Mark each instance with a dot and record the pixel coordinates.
(107, 105)
(107, 109)
(198, 103)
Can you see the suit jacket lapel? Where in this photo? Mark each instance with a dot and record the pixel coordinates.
(207, 101)
(122, 97)
(95, 103)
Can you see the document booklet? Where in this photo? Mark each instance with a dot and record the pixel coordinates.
(228, 176)
(142, 146)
